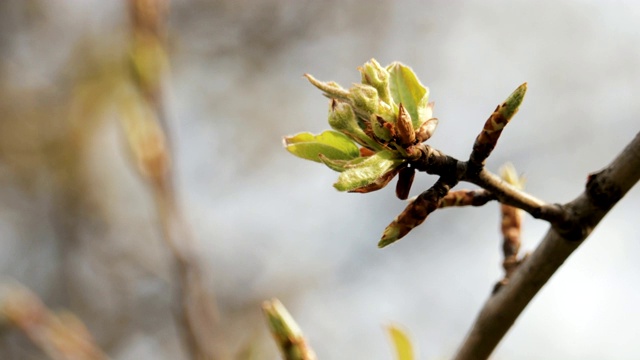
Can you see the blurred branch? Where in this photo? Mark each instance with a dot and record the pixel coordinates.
(510, 226)
(62, 336)
(604, 189)
(145, 125)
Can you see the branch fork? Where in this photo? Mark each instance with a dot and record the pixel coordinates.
(452, 171)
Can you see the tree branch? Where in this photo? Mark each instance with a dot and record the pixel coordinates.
(433, 161)
(510, 195)
(604, 189)
(466, 198)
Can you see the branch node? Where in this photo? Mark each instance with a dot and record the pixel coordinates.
(603, 193)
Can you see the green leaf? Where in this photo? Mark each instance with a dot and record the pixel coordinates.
(367, 171)
(335, 165)
(340, 165)
(401, 343)
(407, 89)
(332, 144)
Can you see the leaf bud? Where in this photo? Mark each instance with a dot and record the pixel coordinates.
(343, 119)
(383, 130)
(364, 99)
(375, 75)
(404, 126)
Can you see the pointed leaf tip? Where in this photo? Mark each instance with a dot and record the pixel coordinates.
(332, 144)
(390, 235)
(368, 171)
(407, 89)
(331, 89)
(514, 100)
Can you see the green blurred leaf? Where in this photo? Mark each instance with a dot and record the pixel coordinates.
(401, 343)
(286, 332)
(407, 89)
(332, 144)
(367, 171)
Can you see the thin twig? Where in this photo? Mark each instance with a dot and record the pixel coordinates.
(451, 171)
(510, 195)
(433, 161)
(604, 190)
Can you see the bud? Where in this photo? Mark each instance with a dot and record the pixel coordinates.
(426, 129)
(405, 179)
(286, 332)
(375, 75)
(364, 99)
(511, 224)
(404, 127)
(488, 137)
(509, 174)
(383, 130)
(343, 119)
(331, 89)
(388, 112)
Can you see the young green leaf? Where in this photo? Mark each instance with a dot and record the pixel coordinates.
(407, 89)
(368, 171)
(343, 119)
(331, 89)
(332, 144)
(380, 182)
(401, 343)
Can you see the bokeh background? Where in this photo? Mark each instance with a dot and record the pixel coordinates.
(78, 225)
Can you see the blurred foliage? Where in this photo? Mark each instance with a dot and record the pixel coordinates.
(401, 343)
(85, 237)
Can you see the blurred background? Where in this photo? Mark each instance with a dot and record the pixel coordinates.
(79, 225)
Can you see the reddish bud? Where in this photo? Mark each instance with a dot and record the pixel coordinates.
(406, 134)
(405, 179)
